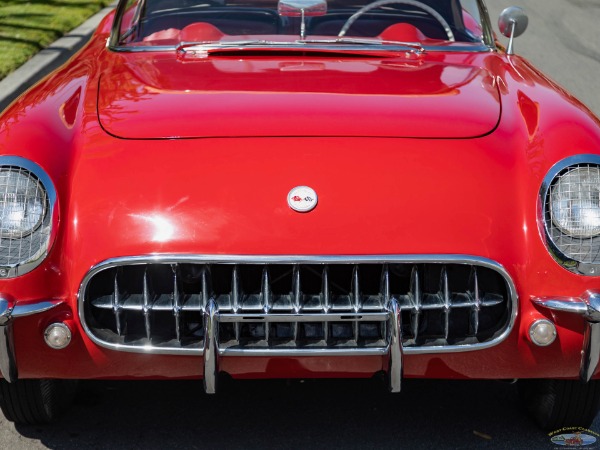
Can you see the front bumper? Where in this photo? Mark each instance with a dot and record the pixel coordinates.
(587, 307)
(9, 311)
(392, 360)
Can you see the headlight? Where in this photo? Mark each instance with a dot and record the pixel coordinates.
(575, 202)
(22, 203)
(570, 198)
(27, 201)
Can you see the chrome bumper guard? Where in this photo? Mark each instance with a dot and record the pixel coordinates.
(10, 310)
(588, 307)
(212, 352)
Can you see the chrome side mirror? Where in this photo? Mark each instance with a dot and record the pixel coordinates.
(513, 22)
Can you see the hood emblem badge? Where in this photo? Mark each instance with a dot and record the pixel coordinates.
(302, 199)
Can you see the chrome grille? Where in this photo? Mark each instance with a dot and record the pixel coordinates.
(282, 306)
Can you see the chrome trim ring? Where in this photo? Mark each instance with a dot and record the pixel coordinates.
(544, 222)
(264, 259)
(51, 217)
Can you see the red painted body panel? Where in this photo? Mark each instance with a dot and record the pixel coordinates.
(229, 97)
(225, 193)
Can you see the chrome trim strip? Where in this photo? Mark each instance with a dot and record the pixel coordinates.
(12, 310)
(563, 260)
(572, 306)
(34, 308)
(371, 49)
(113, 40)
(354, 317)
(296, 259)
(488, 31)
(588, 307)
(299, 259)
(267, 352)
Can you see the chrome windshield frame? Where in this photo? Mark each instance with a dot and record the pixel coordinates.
(487, 45)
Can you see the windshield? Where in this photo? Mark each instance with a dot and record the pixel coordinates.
(153, 24)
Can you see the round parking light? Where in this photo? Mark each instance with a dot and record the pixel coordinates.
(542, 332)
(57, 336)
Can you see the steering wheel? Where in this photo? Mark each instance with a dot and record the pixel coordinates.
(428, 9)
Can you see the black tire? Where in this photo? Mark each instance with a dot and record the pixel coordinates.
(35, 402)
(555, 404)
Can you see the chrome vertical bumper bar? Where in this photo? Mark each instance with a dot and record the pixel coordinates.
(8, 364)
(8, 312)
(211, 367)
(395, 349)
(589, 308)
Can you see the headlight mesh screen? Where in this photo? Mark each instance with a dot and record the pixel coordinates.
(24, 219)
(573, 213)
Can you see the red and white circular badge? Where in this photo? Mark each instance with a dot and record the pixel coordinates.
(302, 199)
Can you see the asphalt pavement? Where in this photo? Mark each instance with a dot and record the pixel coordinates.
(563, 39)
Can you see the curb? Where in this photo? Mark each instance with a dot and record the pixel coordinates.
(48, 59)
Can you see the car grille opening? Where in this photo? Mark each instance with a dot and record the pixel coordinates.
(267, 307)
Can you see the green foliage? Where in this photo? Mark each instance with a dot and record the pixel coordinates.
(26, 27)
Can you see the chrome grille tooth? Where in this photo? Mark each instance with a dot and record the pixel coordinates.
(385, 291)
(236, 292)
(474, 316)
(265, 289)
(147, 306)
(356, 299)
(236, 289)
(176, 303)
(265, 293)
(356, 289)
(325, 299)
(206, 286)
(415, 292)
(117, 303)
(445, 291)
(297, 294)
(296, 288)
(385, 284)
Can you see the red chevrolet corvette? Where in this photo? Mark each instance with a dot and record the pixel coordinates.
(300, 189)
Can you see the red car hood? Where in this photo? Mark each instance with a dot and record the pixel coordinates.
(159, 96)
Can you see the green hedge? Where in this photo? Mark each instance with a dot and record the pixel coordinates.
(26, 27)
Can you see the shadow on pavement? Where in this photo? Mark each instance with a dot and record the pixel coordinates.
(349, 414)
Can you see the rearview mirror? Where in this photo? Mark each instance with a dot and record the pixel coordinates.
(302, 8)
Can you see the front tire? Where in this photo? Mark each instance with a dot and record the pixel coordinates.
(35, 402)
(555, 404)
